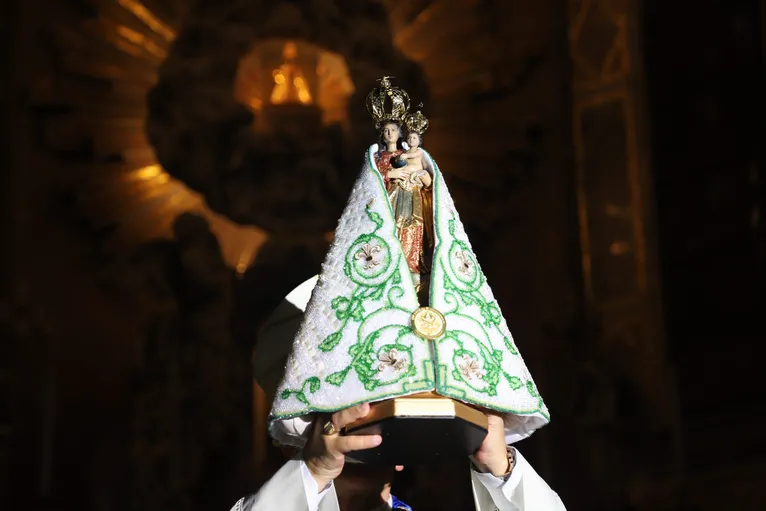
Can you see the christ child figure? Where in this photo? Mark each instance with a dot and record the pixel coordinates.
(415, 171)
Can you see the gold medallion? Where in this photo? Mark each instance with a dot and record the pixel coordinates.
(428, 323)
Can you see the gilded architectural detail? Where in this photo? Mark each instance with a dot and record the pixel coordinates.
(598, 36)
(613, 198)
(606, 135)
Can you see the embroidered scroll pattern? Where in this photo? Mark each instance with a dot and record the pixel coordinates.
(475, 362)
(381, 355)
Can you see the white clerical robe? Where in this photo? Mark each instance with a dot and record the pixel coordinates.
(293, 488)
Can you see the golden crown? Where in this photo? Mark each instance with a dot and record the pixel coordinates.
(417, 122)
(387, 103)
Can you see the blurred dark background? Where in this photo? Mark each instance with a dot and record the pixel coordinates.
(172, 168)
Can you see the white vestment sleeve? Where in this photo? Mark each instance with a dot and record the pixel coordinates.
(289, 490)
(524, 490)
(313, 495)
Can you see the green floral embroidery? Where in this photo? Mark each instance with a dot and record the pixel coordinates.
(383, 355)
(370, 364)
(368, 261)
(463, 279)
(478, 366)
(313, 384)
(514, 381)
(475, 362)
(509, 346)
(372, 265)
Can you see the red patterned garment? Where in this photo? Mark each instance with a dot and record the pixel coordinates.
(412, 204)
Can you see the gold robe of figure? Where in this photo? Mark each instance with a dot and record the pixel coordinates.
(412, 204)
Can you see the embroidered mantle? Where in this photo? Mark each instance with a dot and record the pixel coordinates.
(355, 343)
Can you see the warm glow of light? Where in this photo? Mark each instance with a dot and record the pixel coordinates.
(147, 201)
(161, 179)
(149, 172)
(279, 95)
(290, 51)
(619, 248)
(130, 34)
(151, 177)
(126, 47)
(314, 77)
(141, 12)
(245, 260)
(291, 86)
(424, 16)
(239, 243)
(139, 39)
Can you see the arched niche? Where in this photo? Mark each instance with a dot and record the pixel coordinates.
(281, 181)
(280, 71)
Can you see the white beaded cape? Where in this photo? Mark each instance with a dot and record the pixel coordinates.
(355, 343)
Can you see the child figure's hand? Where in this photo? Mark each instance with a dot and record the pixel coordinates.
(416, 178)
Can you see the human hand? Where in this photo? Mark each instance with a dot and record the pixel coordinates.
(324, 454)
(492, 455)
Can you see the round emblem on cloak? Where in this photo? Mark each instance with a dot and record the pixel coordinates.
(428, 323)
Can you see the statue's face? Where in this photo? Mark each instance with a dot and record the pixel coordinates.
(413, 140)
(390, 133)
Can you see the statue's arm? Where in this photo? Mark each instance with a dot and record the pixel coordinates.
(426, 177)
(426, 163)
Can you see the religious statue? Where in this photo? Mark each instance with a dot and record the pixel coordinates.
(400, 316)
(409, 189)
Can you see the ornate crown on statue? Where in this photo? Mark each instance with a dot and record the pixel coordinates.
(387, 103)
(416, 122)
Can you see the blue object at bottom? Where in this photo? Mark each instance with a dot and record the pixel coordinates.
(398, 504)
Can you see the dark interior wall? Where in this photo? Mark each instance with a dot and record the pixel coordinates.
(705, 75)
(5, 212)
(706, 88)
(57, 322)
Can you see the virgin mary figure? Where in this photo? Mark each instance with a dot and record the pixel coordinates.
(358, 332)
(408, 184)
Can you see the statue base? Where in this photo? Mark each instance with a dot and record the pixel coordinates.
(421, 429)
